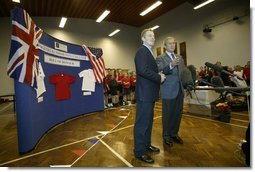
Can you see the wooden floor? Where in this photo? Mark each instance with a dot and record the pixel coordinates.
(78, 142)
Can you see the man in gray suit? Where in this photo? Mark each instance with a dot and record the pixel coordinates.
(172, 93)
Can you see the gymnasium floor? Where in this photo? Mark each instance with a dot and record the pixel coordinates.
(105, 139)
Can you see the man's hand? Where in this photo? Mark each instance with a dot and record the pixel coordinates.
(175, 62)
(162, 76)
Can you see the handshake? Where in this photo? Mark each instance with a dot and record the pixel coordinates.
(162, 76)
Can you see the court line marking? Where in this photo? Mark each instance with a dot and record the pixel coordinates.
(212, 120)
(240, 120)
(241, 114)
(215, 121)
(84, 153)
(129, 111)
(115, 153)
(5, 107)
(51, 149)
(60, 166)
(68, 144)
(48, 150)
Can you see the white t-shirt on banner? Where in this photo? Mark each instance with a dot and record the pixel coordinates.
(40, 82)
(88, 83)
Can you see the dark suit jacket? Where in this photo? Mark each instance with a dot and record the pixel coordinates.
(148, 79)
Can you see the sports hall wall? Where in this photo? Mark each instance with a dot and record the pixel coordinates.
(118, 50)
(229, 43)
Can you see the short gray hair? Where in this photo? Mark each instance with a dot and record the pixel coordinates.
(164, 42)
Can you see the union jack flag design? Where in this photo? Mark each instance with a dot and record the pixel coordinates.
(24, 57)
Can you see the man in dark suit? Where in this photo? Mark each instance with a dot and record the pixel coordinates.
(146, 93)
(172, 93)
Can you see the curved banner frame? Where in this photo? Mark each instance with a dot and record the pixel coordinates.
(59, 95)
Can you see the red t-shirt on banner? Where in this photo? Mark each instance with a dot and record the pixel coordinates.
(62, 82)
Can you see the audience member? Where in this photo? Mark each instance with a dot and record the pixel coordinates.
(118, 78)
(126, 89)
(238, 71)
(201, 72)
(107, 103)
(246, 73)
(133, 84)
(113, 90)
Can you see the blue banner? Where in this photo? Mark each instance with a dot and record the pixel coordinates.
(64, 87)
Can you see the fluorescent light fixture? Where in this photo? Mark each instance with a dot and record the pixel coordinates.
(152, 7)
(105, 13)
(62, 22)
(114, 32)
(203, 4)
(155, 27)
(18, 1)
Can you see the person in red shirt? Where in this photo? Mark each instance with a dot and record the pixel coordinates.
(107, 101)
(114, 91)
(133, 84)
(118, 77)
(201, 73)
(126, 84)
(246, 73)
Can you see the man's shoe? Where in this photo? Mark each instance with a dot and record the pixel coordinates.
(168, 142)
(177, 139)
(146, 158)
(153, 149)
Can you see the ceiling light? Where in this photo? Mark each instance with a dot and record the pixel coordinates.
(235, 18)
(18, 1)
(114, 32)
(155, 5)
(105, 13)
(155, 27)
(62, 22)
(203, 4)
(207, 29)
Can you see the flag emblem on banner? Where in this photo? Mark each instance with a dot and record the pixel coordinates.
(23, 57)
(97, 62)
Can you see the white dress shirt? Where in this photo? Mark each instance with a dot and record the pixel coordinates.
(150, 48)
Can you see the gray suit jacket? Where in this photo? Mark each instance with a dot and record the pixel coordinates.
(170, 88)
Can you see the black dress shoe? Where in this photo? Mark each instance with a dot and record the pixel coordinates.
(153, 149)
(177, 139)
(168, 142)
(146, 158)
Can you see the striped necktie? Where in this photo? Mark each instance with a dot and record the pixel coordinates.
(172, 56)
